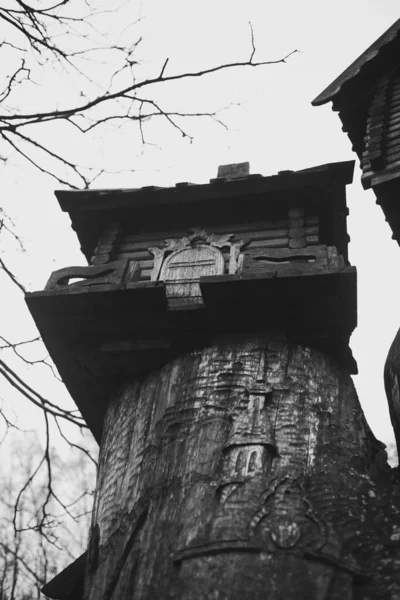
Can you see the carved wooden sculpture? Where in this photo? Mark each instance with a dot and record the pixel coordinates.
(244, 470)
(109, 275)
(235, 460)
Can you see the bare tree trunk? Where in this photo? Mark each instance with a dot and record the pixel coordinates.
(242, 470)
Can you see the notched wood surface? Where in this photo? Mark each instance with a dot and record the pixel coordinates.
(258, 476)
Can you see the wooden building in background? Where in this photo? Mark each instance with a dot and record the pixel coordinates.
(367, 97)
(207, 347)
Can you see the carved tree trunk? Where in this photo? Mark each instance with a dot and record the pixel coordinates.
(242, 471)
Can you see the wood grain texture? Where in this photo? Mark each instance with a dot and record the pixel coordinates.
(243, 470)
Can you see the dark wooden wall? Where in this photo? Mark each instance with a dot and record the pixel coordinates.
(265, 234)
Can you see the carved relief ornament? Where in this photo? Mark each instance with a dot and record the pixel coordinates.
(198, 237)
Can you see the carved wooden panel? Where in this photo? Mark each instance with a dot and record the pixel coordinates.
(181, 263)
(182, 270)
(192, 263)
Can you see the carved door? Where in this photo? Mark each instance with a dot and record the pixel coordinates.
(182, 270)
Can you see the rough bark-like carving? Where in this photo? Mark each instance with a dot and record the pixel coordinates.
(243, 471)
(110, 274)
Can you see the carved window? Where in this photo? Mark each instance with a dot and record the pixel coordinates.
(240, 463)
(252, 462)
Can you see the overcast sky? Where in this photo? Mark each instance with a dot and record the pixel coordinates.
(274, 128)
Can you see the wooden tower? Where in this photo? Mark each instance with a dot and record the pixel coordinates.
(206, 346)
(367, 98)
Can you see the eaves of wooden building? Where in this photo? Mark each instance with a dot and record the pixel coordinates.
(367, 97)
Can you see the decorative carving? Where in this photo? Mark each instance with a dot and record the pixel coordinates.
(223, 511)
(188, 264)
(110, 274)
(183, 261)
(198, 237)
(292, 261)
(287, 518)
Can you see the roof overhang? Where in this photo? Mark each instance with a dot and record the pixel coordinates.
(367, 63)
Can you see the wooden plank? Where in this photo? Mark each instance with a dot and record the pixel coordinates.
(296, 232)
(104, 249)
(392, 170)
(278, 243)
(299, 242)
(312, 240)
(153, 238)
(312, 230)
(391, 163)
(393, 118)
(100, 260)
(389, 152)
(296, 223)
(259, 234)
(390, 140)
(285, 254)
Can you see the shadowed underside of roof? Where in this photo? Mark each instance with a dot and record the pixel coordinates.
(354, 69)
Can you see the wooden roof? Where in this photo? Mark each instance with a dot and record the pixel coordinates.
(367, 60)
(89, 209)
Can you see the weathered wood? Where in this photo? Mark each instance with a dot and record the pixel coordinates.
(234, 171)
(182, 271)
(236, 228)
(297, 232)
(273, 234)
(101, 259)
(297, 242)
(111, 274)
(243, 470)
(313, 259)
(106, 245)
(217, 476)
(312, 239)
